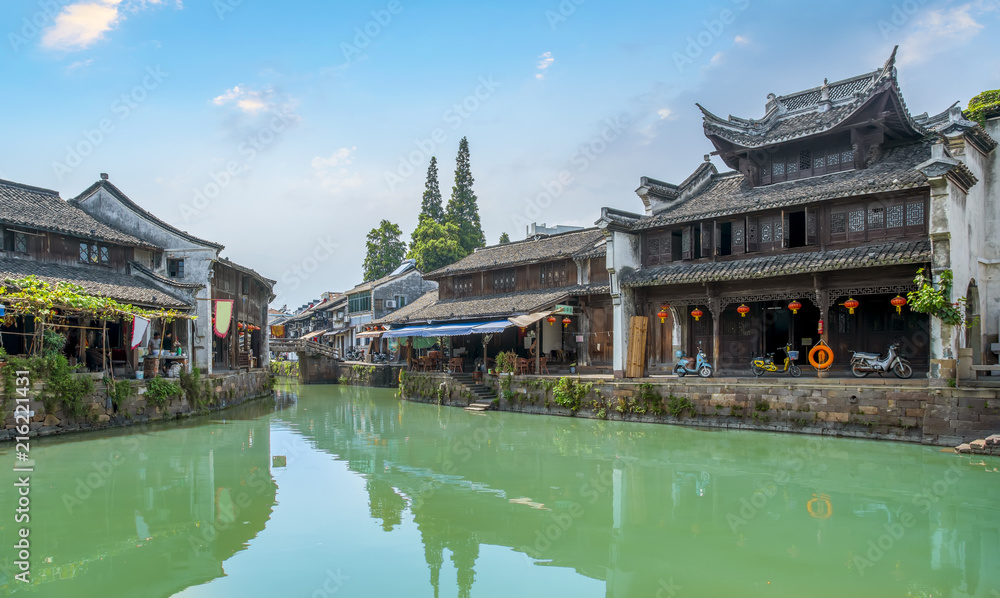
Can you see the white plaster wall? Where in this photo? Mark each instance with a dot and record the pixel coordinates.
(623, 253)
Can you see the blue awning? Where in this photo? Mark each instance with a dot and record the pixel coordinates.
(455, 329)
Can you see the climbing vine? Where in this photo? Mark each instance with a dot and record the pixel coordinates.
(31, 296)
(570, 393)
(936, 300)
(983, 106)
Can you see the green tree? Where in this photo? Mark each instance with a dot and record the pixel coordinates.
(435, 245)
(385, 251)
(431, 204)
(504, 239)
(463, 207)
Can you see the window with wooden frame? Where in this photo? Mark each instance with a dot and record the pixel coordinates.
(462, 286)
(659, 248)
(90, 253)
(878, 219)
(504, 281)
(790, 165)
(553, 274)
(771, 232)
(15, 242)
(175, 268)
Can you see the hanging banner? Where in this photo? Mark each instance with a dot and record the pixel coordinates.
(223, 316)
(277, 332)
(140, 326)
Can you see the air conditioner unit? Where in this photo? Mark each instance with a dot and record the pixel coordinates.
(390, 304)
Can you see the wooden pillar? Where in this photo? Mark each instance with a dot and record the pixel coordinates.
(538, 347)
(715, 308)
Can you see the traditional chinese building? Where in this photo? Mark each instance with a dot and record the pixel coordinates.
(514, 287)
(836, 197)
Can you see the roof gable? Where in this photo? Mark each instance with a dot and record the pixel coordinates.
(43, 209)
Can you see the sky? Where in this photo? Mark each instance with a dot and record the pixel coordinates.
(286, 131)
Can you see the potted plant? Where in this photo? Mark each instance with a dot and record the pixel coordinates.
(572, 368)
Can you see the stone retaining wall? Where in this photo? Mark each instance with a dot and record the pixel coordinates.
(227, 390)
(886, 409)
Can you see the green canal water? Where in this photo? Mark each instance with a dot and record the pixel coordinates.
(338, 491)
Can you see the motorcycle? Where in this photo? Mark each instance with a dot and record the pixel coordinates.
(380, 358)
(759, 365)
(354, 354)
(863, 363)
(700, 365)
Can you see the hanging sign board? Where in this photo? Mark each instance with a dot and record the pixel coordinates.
(563, 310)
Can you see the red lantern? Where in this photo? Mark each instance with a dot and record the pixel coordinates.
(852, 304)
(697, 314)
(898, 302)
(566, 321)
(795, 306)
(663, 314)
(743, 310)
(551, 320)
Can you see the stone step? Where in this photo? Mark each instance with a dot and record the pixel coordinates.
(979, 445)
(476, 407)
(993, 439)
(963, 448)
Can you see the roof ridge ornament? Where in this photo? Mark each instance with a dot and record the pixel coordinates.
(824, 96)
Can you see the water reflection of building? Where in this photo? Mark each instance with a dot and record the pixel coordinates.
(646, 511)
(162, 512)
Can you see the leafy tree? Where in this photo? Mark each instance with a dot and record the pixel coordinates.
(463, 207)
(435, 245)
(431, 204)
(385, 251)
(504, 239)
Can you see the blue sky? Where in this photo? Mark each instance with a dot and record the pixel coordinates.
(325, 114)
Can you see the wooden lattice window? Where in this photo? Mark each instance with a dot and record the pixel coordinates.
(463, 286)
(553, 274)
(504, 281)
(658, 248)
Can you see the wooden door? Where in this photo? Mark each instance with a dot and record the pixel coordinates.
(636, 363)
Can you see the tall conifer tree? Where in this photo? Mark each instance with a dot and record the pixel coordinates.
(463, 207)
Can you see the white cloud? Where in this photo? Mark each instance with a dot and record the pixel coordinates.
(544, 63)
(333, 172)
(938, 31)
(717, 58)
(247, 100)
(739, 39)
(81, 24)
(664, 113)
(80, 64)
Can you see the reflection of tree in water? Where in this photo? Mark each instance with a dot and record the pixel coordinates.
(434, 555)
(384, 503)
(464, 553)
(437, 534)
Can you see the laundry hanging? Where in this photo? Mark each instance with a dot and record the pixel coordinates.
(140, 326)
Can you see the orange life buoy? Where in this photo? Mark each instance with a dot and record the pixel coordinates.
(824, 512)
(827, 359)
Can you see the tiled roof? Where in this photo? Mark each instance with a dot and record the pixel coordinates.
(96, 280)
(561, 246)
(807, 112)
(728, 193)
(31, 207)
(267, 282)
(128, 203)
(783, 264)
(372, 284)
(429, 308)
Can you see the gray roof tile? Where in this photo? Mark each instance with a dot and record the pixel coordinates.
(553, 247)
(782, 264)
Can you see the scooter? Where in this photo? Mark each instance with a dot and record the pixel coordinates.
(699, 365)
(759, 365)
(863, 364)
(380, 358)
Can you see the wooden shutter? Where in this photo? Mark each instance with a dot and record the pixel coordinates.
(636, 365)
(753, 232)
(781, 231)
(739, 236)
(687, 243)
(810, 226)
(706, 239)
(895, 216)
(718, 238)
